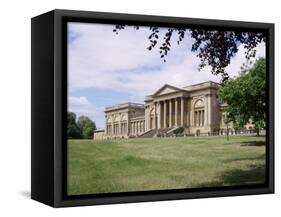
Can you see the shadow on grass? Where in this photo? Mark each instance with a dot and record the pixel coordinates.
(253, 143)
(255, 174)
(261, 157)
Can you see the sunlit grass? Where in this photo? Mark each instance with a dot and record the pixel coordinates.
(164, 163)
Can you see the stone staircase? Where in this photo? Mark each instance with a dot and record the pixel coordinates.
(148, 134)
(158, 132)
(171, 131)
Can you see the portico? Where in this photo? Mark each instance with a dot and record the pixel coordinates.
(168, 113)
(167, 108)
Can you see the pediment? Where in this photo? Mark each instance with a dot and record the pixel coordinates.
(166, 89)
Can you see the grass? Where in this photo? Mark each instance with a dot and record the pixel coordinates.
(164, 163)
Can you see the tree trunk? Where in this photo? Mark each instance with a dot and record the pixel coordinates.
(227, 133)
(258, 132)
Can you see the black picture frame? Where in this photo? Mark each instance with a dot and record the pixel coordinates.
(49, 106)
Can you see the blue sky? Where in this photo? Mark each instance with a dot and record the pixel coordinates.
(105, 68)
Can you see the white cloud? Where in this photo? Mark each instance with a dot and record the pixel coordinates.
(81, 106)
(234, 68)
(99, 58)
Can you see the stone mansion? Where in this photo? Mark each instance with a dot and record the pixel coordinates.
(196, 108)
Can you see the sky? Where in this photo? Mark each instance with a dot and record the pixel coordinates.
(106, 69)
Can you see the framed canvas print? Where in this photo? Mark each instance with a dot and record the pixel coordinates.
(134, 108)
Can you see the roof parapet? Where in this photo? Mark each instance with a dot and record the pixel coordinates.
(124, 105)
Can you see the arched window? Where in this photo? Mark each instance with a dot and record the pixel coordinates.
(199, 113)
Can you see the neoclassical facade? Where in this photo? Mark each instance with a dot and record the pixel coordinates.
(124, 120)
(196, 108)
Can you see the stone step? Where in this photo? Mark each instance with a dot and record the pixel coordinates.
(155, 132)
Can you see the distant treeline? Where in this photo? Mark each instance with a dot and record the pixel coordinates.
(83, 128)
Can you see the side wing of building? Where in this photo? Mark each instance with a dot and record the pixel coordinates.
(124, 120)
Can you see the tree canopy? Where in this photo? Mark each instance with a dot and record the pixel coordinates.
(246, 96)
(83, 128)
(87, 127)
(73, 131)
(213, 47)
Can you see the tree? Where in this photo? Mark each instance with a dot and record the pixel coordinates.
(179, 131)
(73, 131)
(245, 96)
(214, 48)
(87, 127)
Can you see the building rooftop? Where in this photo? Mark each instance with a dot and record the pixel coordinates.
(124, 105)
(198, 86)
(202, 85)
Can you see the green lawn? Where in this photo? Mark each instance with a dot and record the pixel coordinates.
(164, 163)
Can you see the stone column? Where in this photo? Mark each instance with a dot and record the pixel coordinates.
(195, 118)
(209, 109)
(206, 110)
(176, 112)
(199, 118)
(165, 115)
(148, 119)
(182, 111)
(119, 127)
(112, 130)
(202, 118)
(128, 127)
(170, 113)
(133, 128)
(191, 118)
(155, 115)
(198, 114)
(159, 115)
(145, 115)
(106, 130)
